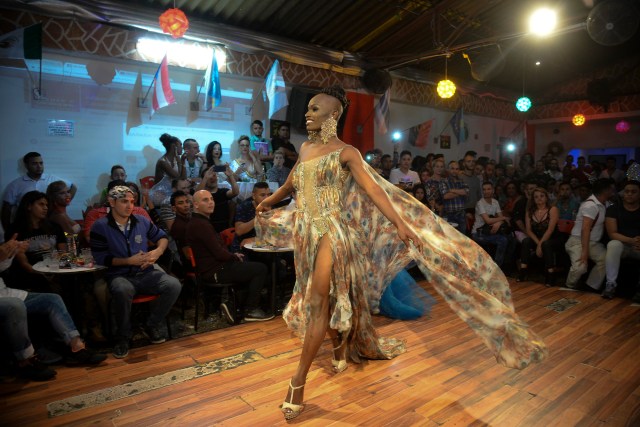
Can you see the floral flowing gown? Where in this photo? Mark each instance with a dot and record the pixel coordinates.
(367, 254)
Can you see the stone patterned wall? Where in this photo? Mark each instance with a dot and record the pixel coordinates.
(104, 40)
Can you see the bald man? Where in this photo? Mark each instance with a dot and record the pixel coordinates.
(215, 263)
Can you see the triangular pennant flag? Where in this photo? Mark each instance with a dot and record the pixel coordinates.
(134, 118)
(162, 93)
(213, 93)
(381, 117)
(276, 89)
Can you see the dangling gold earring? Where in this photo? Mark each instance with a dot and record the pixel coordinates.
(328, 129)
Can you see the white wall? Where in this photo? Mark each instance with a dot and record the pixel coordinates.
(595, 137)
(484, 132)
(99, 114)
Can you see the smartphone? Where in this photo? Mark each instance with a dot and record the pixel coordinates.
(220, 168)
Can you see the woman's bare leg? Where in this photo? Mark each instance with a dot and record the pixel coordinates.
(318, 320)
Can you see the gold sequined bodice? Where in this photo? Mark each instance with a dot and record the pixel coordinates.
(319, 184)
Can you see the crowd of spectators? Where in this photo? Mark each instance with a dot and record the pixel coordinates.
(145, 237)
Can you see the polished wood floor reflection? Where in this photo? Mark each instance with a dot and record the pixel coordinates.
(447, 377)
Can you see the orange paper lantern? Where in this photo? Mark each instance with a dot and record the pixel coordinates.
(174, 22)
(578, 120)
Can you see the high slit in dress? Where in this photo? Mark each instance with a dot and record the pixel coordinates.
(367, 254)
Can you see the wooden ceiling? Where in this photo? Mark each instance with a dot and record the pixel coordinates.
(410, 37)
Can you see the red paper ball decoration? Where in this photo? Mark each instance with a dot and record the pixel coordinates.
(623, 126)
(174, 22)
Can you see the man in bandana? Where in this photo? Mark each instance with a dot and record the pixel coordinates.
(120, 241)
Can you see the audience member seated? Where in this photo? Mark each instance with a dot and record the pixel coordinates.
(454, 197)
(612, 171)
(259, 144)
(518, 220)
(583, 172)
(34, 180)
(386, 165)
(120, 242)
(96, 213)
(432, 186)
(59, 197)
(215, 264)
(567, 205)
(623, 227)
(193, 160)
(165, 211)
(278, 173)
(539, 175)
(221, 217)
(247, 167)
(214, 158)
(543, 239)
(584, 242)
(43, 236)
(168, 168)
(118, 173)
(469, 176)
(15, 307)
(403, 176)
(490, 226)
(281, 142)
(244, 221)
(181, 205)
(511, 197)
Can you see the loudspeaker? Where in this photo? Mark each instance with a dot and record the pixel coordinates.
(298, 102)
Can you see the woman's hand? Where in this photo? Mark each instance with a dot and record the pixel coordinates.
(408, 236)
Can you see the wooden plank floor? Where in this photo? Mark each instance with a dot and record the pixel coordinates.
(447, 377)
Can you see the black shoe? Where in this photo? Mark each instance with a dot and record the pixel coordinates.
(548, 280)
(155, 335)
(257, 315)
(227, 314)
(47, 357)
(85, 357)
(121, 349)
(609, 290)
(35, 370)
(522, 275)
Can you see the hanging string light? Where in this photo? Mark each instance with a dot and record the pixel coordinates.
(623, 126)
(578, 120)
(523, 103)
(446, 88)
(174, 22)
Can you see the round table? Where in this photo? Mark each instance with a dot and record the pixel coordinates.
(73, 296)
(274, 251)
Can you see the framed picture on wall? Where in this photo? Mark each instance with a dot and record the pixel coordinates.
(445, 142)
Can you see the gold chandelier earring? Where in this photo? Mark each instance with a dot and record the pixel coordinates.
(328, 129)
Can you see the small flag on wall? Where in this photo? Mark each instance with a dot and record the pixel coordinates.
(276, 89)
(419, 135)
(381, 117)
(459, 126)
(213, 93)
(162, 93)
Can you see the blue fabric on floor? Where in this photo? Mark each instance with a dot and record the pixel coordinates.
(404, 299)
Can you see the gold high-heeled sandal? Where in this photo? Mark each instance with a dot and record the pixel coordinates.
(339, 365)
(291, 410)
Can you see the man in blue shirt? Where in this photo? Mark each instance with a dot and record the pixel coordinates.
(119, 241)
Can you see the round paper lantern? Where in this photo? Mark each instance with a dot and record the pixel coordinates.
(578, 120)
(174, 22)
(446, 88)
(523, 104)
(623, 126)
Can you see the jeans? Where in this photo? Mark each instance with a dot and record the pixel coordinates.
(13, 320)
(155, 282)
(505, 245)
(597, 253)
(459, 218)
(248, 273)
(550, 251)
(617, 250)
